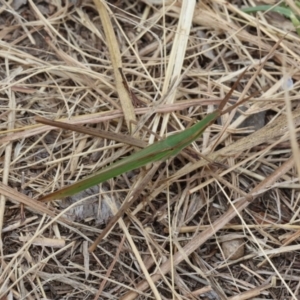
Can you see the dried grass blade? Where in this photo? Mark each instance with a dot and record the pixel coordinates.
(202, 237)
(116, 61)
(94, 132)
(35, 206)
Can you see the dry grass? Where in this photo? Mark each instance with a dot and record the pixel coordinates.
(179, 60)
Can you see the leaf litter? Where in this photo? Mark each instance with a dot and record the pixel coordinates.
(179, 59)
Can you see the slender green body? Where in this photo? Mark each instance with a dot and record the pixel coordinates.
(161, 150)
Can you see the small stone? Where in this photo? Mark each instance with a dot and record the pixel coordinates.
(255, 121)
(233, 249)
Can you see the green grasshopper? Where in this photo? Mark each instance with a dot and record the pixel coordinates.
(158, 151)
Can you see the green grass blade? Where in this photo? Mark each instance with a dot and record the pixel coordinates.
(279, 9)
(285, 11)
